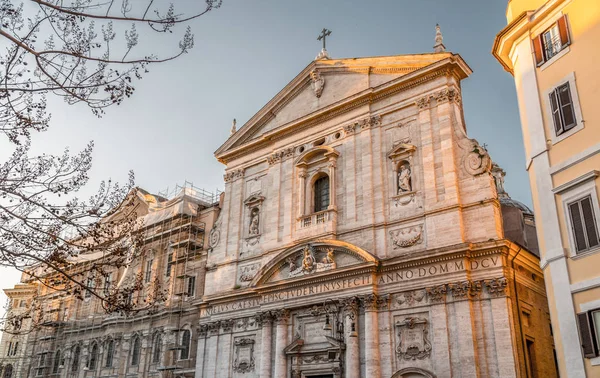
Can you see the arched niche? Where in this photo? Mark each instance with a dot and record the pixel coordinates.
(413, 372)
(327, 256)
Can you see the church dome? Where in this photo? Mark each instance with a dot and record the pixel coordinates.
(507, 201)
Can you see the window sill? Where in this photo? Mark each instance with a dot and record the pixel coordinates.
(595, 361)
(565, 135)
(556, 57)
(581, 255)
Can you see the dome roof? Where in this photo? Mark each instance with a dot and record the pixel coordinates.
(507, 201)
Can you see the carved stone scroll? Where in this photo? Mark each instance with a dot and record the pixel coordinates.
(413, 335)
(244, 361)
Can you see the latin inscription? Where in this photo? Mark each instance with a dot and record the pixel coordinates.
(348, 283)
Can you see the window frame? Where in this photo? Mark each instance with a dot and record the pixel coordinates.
(56, 362)
(156, 348)
(579, 120)
(76, 358)
(578, 189)
(110, 353)
(542, 60)
(148, 272)
(93, 356)
(189, 280)
(187, 347)
(136, 354)
(320, 177)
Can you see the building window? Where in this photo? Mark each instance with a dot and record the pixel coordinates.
(135, 352)
(191, 286)
(110, 352)
(75, 362)
(90, 287)
(552, 41)
(149, 270)
(589, 332)
(157, 349)
(107, 284)
(583, 224)
(56, 362)
(8, 370)
(186, 338)
(563, 112)
(93, 357)
(169, 264)
(12, 348)
(321, 194)
(531, 359)
(23, 303)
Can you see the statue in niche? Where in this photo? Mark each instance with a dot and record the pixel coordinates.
(404, 178)
(253, 229)
(308, 262)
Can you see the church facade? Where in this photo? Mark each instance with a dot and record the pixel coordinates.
(362, 235)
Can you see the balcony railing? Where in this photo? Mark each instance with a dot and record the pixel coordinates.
(316, 224)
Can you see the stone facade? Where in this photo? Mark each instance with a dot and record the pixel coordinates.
(360, 234)
(402, 271)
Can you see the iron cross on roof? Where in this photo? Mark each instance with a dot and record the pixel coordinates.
(324, 34)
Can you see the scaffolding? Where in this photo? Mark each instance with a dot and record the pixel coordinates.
(172, 262)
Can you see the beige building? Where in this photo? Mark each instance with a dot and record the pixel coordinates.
(551, 49)
(362, 235)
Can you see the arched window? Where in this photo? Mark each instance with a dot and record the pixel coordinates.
(8, 370)
(110, 352)
(186, 338)
(75, 361)
(321, 193)
(135, 351)
(156, 348)
(56, 362)
(93, 356)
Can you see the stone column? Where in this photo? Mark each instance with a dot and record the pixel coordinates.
(301, 197)
(352, 343)
(372, 360)
(265, 355)
(281, 317)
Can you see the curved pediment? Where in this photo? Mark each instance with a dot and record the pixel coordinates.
(310, 259)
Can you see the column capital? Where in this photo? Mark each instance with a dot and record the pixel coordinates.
(281, 316)
(374, 302)
(264, 318)
(350, 306)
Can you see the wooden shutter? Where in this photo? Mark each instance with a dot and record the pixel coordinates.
(590, 222)
(538, 50)
(566, 107)
(577, 224)
(586, 336)
(558, 125)
(563, 30)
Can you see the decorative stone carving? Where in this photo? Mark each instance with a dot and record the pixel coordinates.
(410, 297)
(464, 289)
(309, 263)
(496, 287)
(254, 219)
(233, 175)
(413, 339)
(350, 129)
(350, 306)
(227, 325)
(278, 156)
(202, 330)
(213, 328)
(244, 361)
(296, 373)
(406, 237)
(264, 318)
(423, 102)
(315, 359)
(248, 272)
(370, 122)
(374, 302)
(214, 236)
(317, 82)
(447, 94)
(281, 316)
(437, 294)
(404, 179)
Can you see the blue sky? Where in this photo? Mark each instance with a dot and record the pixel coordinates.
(246, 51)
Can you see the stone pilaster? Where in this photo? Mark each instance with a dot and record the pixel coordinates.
(266, 320)
(372, 358)
(352, 341)
(202, 332)
(281, 318)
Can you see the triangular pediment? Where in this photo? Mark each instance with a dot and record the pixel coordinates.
(329, 85)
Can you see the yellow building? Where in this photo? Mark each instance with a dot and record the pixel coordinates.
(552, 48)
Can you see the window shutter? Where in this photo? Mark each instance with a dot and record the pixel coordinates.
(555, 112)
(538, 50)
(590, 222)
(586, 336)
(577, 225)
(563, 30)
(566, 107)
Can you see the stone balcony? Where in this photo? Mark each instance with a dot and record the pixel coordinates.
(316, 224)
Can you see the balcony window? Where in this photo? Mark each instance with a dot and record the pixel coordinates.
(551, 42)
(321, 194)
